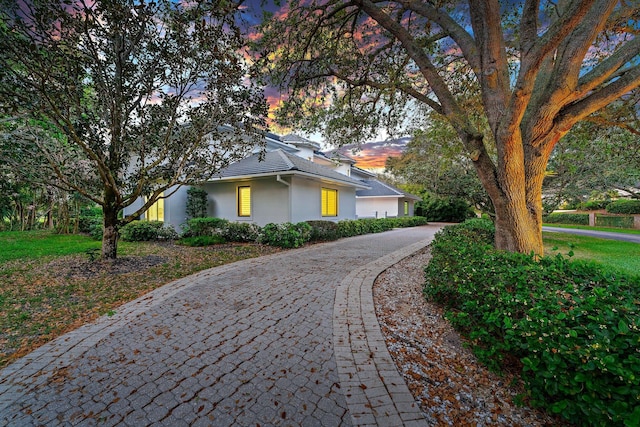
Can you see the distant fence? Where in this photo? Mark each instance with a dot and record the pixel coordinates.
(594, 219)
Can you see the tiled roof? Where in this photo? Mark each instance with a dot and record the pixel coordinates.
(279, 161)
(380, 189)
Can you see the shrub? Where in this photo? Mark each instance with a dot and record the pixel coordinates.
(196, 203)
(446, 209)
(286, 235)
(567, 218)
(139, 231)
(201, 240)
(349, 228)
(409, 221)
(323, 231)
(96, 230)
(205, 226)
(240, 232)
(593, 205)
(573, 325)
(624, 206)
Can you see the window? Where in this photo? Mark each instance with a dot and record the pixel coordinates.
(329, 202)
(156, 210)
(406, 208)
(244, 201)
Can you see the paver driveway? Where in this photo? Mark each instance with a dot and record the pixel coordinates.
(250, 343)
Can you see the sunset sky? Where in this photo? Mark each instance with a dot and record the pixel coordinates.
(373, 155)
(370, 155)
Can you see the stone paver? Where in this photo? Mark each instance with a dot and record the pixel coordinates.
(286, 339)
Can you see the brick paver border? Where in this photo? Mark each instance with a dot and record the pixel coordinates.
(376, 393)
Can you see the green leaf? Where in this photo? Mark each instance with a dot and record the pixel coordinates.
(622, 327)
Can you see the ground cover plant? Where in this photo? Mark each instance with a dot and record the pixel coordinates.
(571, 327)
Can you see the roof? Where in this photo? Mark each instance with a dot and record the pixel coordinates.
(280, 162)
(361, 172)
(381, 189)
(299, 141)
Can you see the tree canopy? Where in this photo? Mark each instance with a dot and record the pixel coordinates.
(532, 69)
(149, 95)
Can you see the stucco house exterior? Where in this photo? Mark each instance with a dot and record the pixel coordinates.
(281, 187)
(290, 181)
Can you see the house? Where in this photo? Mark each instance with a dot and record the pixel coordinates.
(380, 200)
(288, 180)
(281, 187)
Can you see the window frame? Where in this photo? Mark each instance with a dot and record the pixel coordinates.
(325, 213)
(239, 198)
(155, 209)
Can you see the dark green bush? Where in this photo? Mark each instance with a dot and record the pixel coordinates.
(573, 325)
(349, 228)
(285, 235)
(205, 226)
(446, 210)
(87, 223)
(409, 221)
(139, 231)
(96, 230)
(196, 203)
(201, 240)
(323, 231)
(624, 206)
(567, 218)
(240, 232)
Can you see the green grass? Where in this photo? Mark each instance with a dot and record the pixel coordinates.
(42, 243)
(624, 256)
(586, 227)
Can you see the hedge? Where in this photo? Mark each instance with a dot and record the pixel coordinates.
(574, 326)
(624, 206)
(567, 218)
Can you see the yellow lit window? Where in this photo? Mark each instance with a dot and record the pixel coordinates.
(329, 202)
(156, 210)
(244, 201)
(406, 208)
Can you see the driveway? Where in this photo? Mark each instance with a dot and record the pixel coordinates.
(285, 339)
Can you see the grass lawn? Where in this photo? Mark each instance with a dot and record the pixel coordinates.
(48, 286)
(613, 253)
(42, 243)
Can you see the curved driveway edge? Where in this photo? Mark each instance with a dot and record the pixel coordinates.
(376, 393)
(250, 343)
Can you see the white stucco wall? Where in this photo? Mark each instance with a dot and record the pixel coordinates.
(269, 200)
(273, 201)
(370, 207)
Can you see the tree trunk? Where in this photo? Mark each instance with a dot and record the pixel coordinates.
(516, 194)
(518, 229)
(110, 232)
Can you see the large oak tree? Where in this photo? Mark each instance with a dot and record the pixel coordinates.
(142, 92)
(539, 67)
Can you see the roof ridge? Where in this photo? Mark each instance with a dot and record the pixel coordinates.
(287, 160)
